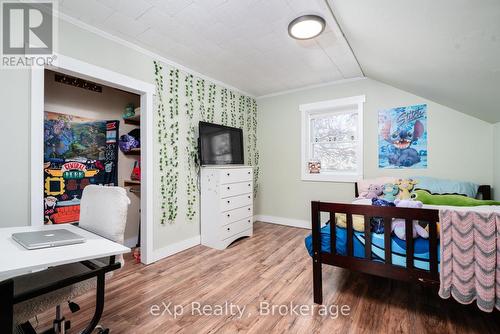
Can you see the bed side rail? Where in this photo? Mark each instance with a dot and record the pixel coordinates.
(368, 211)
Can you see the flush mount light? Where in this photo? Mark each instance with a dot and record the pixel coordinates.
(306, 27)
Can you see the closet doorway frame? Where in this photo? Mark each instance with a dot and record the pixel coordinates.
(80, 69)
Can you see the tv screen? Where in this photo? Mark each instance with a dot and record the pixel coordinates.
(220, 145)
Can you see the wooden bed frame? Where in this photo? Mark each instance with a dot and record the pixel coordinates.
(385, 269)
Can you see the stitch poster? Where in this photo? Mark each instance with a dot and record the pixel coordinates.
(402, 139)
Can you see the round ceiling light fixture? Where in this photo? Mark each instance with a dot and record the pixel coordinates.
(306, 27)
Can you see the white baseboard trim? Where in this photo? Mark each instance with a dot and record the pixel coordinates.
(283, 221)
(164, 252)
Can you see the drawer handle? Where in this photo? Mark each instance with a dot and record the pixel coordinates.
(228, 215)
(248, 209)
(248, 196)
(228, 229)
(228, 174)
(249, 220)
(248, 173)
(228, 188)
(228, 202)
(249, 184)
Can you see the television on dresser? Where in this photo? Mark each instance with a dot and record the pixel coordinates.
(220, 145)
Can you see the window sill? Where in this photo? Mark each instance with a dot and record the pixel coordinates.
(326, 177)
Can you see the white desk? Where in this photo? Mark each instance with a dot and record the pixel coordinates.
(16, 260)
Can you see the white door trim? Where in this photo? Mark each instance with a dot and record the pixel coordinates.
(106, 77)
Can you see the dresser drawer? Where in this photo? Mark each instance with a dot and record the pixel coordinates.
(236, 175)
(241, 225)
(235, 202)
(231, 216)
(235, 189)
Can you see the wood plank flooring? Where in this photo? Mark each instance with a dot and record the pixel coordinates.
(272, 267)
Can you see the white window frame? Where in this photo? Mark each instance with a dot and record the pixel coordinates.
(327, 107)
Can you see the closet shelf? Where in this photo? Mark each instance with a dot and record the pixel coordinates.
(134, 120)
(131, 183)
(134, 151)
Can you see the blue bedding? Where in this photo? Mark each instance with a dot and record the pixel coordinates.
(398, 246)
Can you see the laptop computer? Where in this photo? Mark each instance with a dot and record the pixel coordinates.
(47, 238)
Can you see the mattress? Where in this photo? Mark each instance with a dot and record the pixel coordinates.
(398, 247)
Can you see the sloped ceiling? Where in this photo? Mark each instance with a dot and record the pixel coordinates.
(243, 43)
(445, 50)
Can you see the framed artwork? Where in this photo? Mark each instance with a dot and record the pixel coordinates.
(402, 137)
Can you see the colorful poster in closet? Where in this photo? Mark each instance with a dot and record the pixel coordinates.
(402, 137)
(77, 152)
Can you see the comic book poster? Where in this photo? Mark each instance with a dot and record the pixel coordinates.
(77, 152)
(402, 137)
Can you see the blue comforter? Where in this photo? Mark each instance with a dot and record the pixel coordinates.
(398, 246)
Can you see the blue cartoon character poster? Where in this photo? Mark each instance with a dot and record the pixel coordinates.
(402, 138)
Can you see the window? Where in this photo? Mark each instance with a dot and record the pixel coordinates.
(332, 135)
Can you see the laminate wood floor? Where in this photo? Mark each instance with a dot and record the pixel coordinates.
(272, 267)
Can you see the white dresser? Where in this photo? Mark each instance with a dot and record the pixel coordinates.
(226, 204)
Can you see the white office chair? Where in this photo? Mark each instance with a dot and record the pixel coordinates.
(103, 211)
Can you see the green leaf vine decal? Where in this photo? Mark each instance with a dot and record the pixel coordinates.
(211, 103)
(223, 106)
(232, 97)
(249, 127)
(172, 128)
(200, 90)
(255, 162)
(241, 112)
(199, 102)
(191, 151)
(162, 138)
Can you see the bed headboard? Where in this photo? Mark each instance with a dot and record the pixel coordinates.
(483, 192)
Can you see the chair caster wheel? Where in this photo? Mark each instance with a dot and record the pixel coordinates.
(101, 330)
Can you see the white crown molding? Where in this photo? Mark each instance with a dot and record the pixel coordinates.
(144, 51)
(325, 84)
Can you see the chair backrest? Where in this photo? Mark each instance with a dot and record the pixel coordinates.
(103, 211)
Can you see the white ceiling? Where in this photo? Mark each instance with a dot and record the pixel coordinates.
(447, 50)
(243, 43)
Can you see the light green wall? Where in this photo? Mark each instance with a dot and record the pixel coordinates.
(15, 136)
(460, 146)
(496, 155)
(15, 95)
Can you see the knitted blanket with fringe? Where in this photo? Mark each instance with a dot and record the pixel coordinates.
(470, 258)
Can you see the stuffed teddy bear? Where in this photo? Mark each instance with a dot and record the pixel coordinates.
(398, 225)
(390, 191)
(374, 191)
(405, 188)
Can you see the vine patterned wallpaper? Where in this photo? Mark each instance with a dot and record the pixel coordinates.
(181, 101)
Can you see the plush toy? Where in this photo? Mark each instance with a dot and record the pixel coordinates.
(390, 191)
(358, 222)
(374, 191)
(405, 188)
(398, 225)
(453, 200)
(382, 202)
(377, 223)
